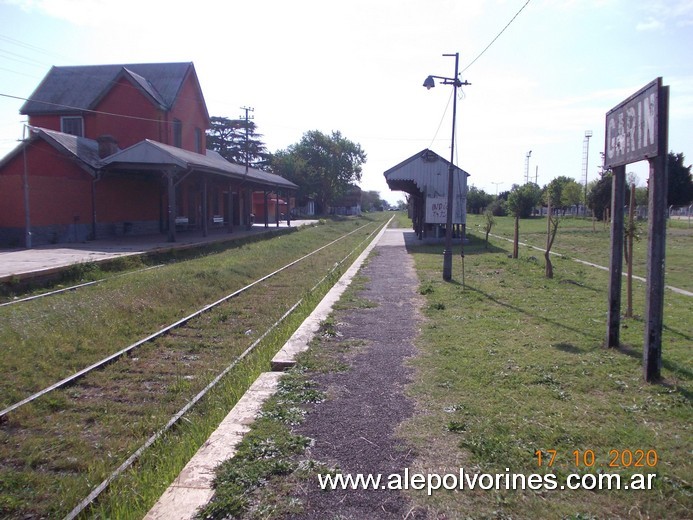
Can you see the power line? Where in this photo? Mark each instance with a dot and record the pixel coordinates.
(81, 109)
(497, 36)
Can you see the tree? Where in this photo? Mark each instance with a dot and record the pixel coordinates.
(641, 196)
(552, 228)
(631, 232)
(228, 138)
(371, 201)
(489, 221)
(521, 201)
(572, 194)
(477, 200)
(498, 207)
(324, 166)
(680, 189)
(564, 192)
(599, 196)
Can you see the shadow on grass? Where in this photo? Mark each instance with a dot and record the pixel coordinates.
(570, 348)
(474, 246)
(567, 347)
(629, 351)
(530, 314)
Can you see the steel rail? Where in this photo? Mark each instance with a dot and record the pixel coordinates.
(164, 330)
(151, 440)
(78, 286)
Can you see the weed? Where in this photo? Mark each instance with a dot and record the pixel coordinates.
(456, 427)
(426, 289)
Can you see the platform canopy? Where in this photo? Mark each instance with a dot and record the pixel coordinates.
(152, 155)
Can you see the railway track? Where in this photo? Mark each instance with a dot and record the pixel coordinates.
(75, 287)
(116, 408)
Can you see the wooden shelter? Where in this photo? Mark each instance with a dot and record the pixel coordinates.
(424, 176)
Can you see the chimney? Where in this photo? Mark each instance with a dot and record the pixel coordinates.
(107, 145)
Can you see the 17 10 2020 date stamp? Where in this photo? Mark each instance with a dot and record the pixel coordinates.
(616, 458)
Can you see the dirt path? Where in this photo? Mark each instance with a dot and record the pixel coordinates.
(354, 428)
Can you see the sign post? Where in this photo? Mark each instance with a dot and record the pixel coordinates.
(656, 227)
(637, 130)
(618, 197)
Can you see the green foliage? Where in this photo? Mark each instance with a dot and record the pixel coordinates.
(477, 200)
(571, 195)
(599, 196)
(371, 201)
(680, 192)
(523, 199)
(499, 207)
(641, 196)
(564, 193)
(489, 222)
(228, 137)
(324, 166)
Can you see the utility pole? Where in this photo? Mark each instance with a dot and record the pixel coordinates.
(497, 184)
(529, 154)
(248, 204)
(247, 135)
(585, 160)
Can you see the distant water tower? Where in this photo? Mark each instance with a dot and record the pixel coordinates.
(585, 160)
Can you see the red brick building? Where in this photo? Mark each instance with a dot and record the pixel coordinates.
(120, 149)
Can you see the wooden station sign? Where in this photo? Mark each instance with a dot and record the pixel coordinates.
(632, 128)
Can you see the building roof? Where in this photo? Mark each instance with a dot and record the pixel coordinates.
(82, 87)
(85, 151)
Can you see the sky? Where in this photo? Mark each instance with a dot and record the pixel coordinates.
(358, 67)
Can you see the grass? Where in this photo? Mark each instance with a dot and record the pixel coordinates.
(512, 364)
(582, 239)
(66, 443)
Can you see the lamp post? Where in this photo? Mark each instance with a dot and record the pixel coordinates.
(455, 82)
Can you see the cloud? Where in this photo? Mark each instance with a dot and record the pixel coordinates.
(650, 25)
(663, 13)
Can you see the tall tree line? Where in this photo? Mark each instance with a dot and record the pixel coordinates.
(324, 166)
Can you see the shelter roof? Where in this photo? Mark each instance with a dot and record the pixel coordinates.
(425, 170)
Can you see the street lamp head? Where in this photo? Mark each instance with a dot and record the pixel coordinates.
(429, 83)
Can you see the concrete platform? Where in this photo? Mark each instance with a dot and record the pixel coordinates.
(193, 487)
(300, 339)
(23, 264)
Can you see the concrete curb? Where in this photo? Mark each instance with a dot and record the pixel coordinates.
(299, 341)
(192, 489)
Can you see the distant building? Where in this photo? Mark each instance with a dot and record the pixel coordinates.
(424, 176)
(349, 203)
(120, 149)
